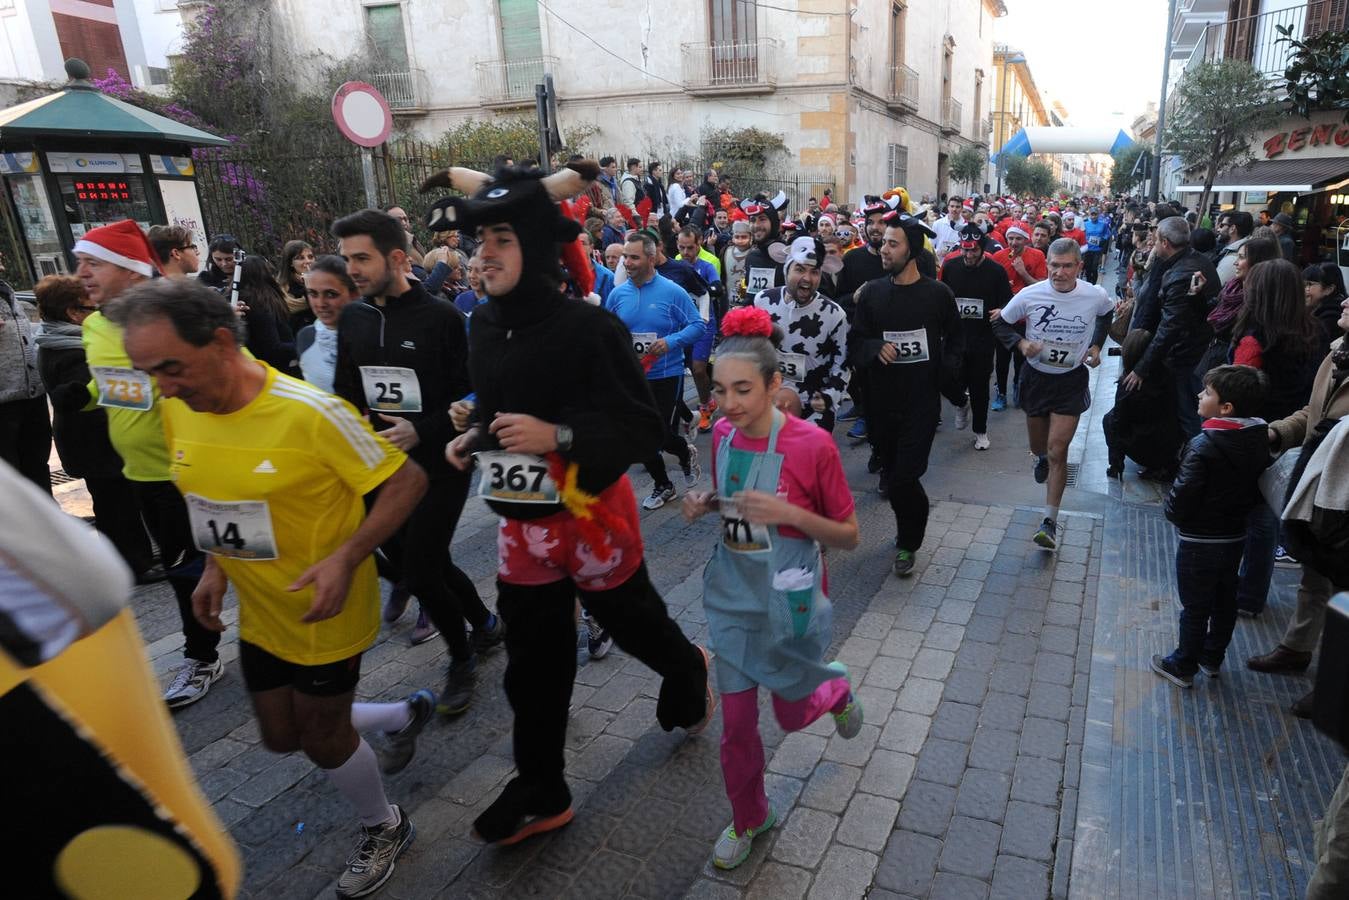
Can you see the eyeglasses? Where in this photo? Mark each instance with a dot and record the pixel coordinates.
(187, 247)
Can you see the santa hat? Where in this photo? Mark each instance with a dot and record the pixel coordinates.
(1017, 229)
(122, 244)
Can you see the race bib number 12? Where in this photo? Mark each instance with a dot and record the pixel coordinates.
(123, 388)
(391, 389)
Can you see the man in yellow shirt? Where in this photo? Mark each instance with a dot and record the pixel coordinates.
(273, 472)
(110, 260)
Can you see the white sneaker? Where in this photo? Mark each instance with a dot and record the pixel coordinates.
(981, 442)
(659, 497)
(192, 682)
(693, 471)
(962, 417)
(732, 849)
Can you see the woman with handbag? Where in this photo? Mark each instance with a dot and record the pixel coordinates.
(1275, 333)
(781, 493)
(1329, 401)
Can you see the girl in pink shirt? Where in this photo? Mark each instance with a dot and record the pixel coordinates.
(781, 494)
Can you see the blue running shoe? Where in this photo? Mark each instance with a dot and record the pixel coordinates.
(858, 431)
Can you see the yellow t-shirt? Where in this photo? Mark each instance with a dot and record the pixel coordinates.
(131, 399)
(274, 488)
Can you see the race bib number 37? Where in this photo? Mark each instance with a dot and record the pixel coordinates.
(515, 478)
(240, 529)
(123, 388)
(391, 389)
(1059, 355)
(910, 346)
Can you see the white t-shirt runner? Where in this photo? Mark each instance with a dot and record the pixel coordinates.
(1062, 322)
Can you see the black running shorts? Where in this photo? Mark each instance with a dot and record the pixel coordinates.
(265, 672)
(1068, 394)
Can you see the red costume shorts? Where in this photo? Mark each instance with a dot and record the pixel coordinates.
(542, 551)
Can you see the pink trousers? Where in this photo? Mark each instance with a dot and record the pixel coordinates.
(742, 761)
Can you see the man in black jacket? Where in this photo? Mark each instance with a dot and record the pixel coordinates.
(563, 410)
(906, 338)
(1187, 286)
(763, 268)
(402, 356)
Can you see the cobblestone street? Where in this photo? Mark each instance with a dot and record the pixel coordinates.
(976, 676)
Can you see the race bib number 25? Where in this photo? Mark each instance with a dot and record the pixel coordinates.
(391, 389)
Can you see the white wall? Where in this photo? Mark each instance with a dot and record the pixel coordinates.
(29, 50)
(161, 30)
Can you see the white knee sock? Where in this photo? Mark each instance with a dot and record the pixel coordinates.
(387, 717)
(359, 781)
(1052, 513)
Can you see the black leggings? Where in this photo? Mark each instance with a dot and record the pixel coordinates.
(903, 441)
(541, 661)
(666, 392)
(165, 515)
(1002, 357)
(118, 517)
(974, 372)
(420, 552)
(1093, 261)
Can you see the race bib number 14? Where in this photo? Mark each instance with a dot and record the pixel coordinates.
(240, 529)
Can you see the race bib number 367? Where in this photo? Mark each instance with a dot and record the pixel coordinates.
(240, 529)
(515, 478)
(391, 389)
(123, 388)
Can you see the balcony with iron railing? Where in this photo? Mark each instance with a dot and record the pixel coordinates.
(951, 114)
(506, 83)
(406, 91)
(1257, 40)
(902, 91)
(749, 67)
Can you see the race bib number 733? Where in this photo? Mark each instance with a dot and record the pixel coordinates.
(123, 388)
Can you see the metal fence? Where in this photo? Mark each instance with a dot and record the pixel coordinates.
(266, 201)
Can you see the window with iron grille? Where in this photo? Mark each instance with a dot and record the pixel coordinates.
(898, 167)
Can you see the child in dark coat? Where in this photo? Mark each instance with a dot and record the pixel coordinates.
(1214, 490)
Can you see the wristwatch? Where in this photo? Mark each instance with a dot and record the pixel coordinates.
(564, 437)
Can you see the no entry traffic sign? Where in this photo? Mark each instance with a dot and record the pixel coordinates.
(362, 114)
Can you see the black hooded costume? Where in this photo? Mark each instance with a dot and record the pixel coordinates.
(536, 352)
(763, 268)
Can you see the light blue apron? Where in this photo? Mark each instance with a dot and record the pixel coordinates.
(759, 634)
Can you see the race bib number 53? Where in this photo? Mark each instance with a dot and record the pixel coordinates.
(240, 529)
(515, 478)
(910, 346)
(123, 388)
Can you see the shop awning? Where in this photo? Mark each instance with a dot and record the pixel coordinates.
(1278, 175)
